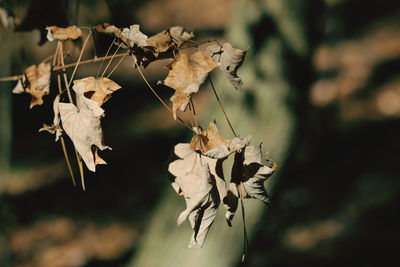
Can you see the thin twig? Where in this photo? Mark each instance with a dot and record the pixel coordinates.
(11, 78)
(79, 59)
(108, 51)
(94, 46)
(66, 66)
(108, 65)
(70, 100)
(78, 157)
(62, 137)
(245, 239)
(61, 56)
(55, 55)
(193, 113)
(158, 97)
(67, 160)
(71, 65)
(115, 67)
(221, 106)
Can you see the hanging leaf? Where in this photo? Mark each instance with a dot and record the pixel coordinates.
(59, 33)
(161, 41)
(185, 76)
(193, 180)
(231, 59)
(174, 36)
(84, 129)
(210, 143)
(36, 81)
(249, 171)
(98, 90)
(114, 31)
(228, 199)
(55, 128)
(19, 88)
(134, 36)
(129, 37)
(179, 35)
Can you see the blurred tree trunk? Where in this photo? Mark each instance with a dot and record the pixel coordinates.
(5, 127)
(275, 30)
(5, 106)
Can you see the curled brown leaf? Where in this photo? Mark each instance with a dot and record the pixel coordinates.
(185, 77)
(59, 33)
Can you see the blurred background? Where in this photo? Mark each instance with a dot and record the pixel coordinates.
(321, 91)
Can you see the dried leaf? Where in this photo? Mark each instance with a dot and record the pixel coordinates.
(108, 29)
(112, 30)
(174, 36)
(228, 199)
(179, 35)
(84, 129)
(211, 144)
(193, 179)
(186, 76)
(98, 90)
(55, 128)
(19, 88)
(134, 35)
(59, 33)
(129, 37)
(249, 171)
(162, 41)
(37, 82)
(231, 59)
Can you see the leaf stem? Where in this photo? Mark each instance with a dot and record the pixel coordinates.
(89, 61)
(221, 106)
(109, 62)
(115, 67)
(108, 51)
(61, 59)
(245, 239)
(79, 59)
(158, 97)
(62, 137)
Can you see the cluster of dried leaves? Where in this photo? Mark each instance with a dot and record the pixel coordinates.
(198, 172)
(199, 177)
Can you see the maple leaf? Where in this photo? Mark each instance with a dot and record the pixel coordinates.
(55, 128)
(231, 59)
(162, 44)
(161, 41)
(98, 90)
(193, 180)
(210, 143)
(82, 122)
(83, 127)
(112, 30)
(179, 35)
(36, 81)
(185, 76)
(249, 171)
(129, 37)
(174, 36)
(217, 175)
(59, 33)
(134, 35)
